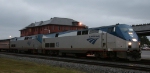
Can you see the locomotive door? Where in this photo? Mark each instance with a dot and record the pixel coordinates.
(104, 40)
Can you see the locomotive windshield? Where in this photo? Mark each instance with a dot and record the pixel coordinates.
(130, 29)
(126, 29)
(128, 32)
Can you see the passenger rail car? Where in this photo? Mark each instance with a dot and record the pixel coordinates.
(115, 41)
(30, 44)
(4, 44)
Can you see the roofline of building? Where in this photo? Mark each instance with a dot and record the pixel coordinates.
(53, 24)
(51, 19)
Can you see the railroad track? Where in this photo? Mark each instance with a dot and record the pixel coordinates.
(142, 62)
(132, 66)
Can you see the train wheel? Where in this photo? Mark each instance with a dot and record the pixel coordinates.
(135, 56)
(113, 56)
(16, 51)
(51, 53)
(77, 55)
(63, 54)
(80, 55)
(45, 52)
(97, 55)
(54, 53)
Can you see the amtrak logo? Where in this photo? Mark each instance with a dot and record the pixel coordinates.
(93, 39)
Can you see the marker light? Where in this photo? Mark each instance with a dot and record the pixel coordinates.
(134, 40)
(129, 43)
(130, 32)
(139, 43)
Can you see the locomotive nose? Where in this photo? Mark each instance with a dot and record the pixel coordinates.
(132, 44)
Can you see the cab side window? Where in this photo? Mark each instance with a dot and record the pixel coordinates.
(84, 32)
(111, 29)
(79, 33)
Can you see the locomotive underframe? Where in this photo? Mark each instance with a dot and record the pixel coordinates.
(132, 54)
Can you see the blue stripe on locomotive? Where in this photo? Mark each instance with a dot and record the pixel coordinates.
(119, 33)
(39, 37)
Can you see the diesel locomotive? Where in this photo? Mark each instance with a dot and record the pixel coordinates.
(114, 41)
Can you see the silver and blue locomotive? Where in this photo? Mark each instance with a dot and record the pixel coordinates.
(115, 41)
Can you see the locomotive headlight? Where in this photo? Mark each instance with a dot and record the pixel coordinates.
(129, 43)
(134, 40)
(139, 43)
(130, 32)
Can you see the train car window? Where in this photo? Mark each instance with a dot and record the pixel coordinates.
(130, 29)
(30, 38)
(56, 35)
(114, 29)
(85, 32)
(111, 29)
(13, 45)
(52, 44)
(46, 44)
(79, 33)
(26, 38)
(93, 31)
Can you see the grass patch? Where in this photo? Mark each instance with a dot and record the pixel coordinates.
(16, 66)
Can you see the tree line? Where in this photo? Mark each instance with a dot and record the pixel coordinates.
(144, 40)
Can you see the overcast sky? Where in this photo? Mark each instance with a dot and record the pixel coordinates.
(16, 14)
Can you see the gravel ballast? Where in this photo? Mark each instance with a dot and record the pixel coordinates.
(83, 67)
